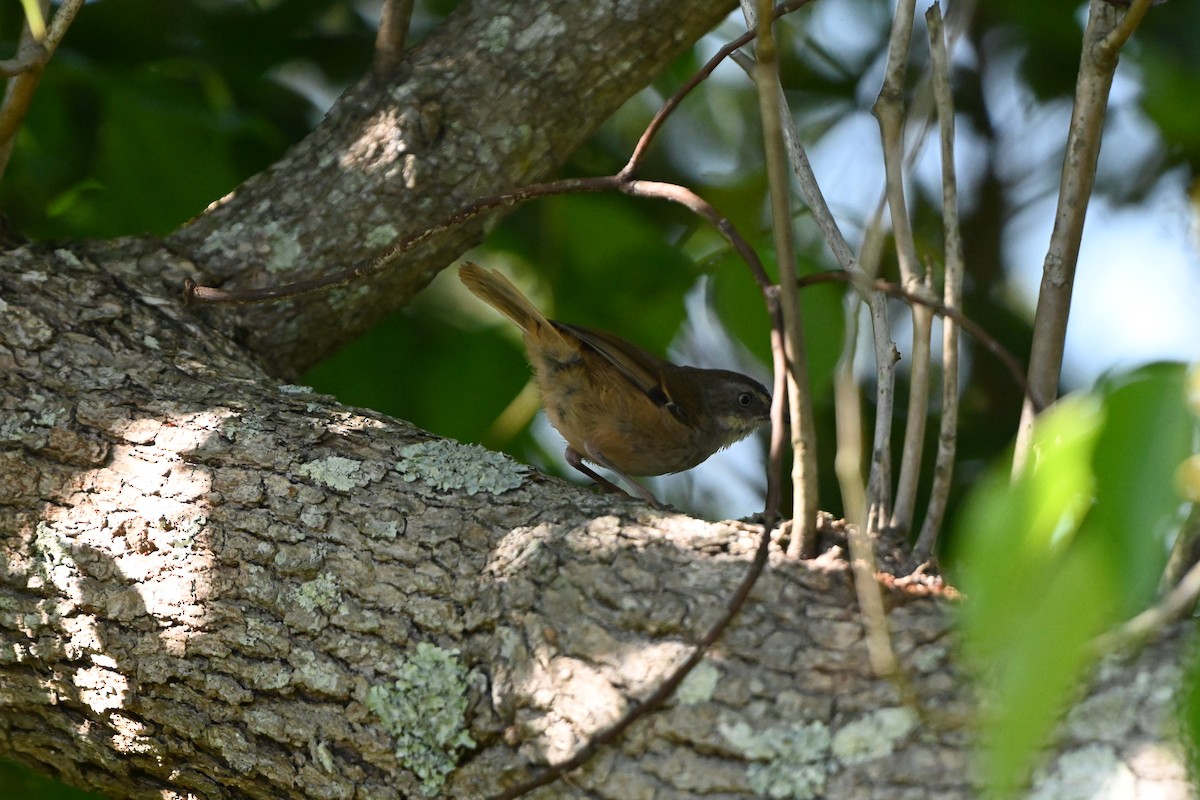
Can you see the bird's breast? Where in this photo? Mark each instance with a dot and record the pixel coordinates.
(597, 409)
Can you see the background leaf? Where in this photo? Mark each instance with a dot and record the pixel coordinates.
(1068, 549)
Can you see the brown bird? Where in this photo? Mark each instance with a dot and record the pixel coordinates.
(619, 406)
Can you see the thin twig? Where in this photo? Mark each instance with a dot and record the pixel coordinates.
(778, 407)
(58, 26)
(394, 20)
(20, 90)
(30, 55)
(847, 408)
(799, 394)
(889, 110)
(701, 207)
(848, 424)
(918, 411)
(1111, 44)
(17, 98)
(639, 150)
(1175, 605)
(969, 326)
(943, 470)
(1185, 552)
(879, 477)
(1097, 65)
(35, 18)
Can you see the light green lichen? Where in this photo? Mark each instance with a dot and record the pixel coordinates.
(424, 709)
(31, 427)
(343, 296)
(320, 594)
(333, 471)
(320, 751)
(873, 735)
(789, 760)
(186, 530)
(448, 465)
(498, 33)
(387, 530)
(699, 685)
(926, 659)
(1090, 772)
(381, 236)
(286, 249)
(49, 417)
(292, 388)
(51, 546)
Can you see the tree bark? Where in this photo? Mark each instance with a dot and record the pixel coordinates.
(204, 573)
(217, 585)
(497, 97)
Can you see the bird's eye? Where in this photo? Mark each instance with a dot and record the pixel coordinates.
(745, 399)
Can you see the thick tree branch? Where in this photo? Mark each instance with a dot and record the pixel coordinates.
(207, 575)
(494, 99)
(214, 584)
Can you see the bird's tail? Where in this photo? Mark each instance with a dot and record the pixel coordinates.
(498, 292)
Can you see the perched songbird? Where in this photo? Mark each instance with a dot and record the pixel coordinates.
(619, 406)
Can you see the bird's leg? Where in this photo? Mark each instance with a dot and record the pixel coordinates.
(576, 461)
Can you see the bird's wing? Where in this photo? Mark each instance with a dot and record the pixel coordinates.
(644, 370)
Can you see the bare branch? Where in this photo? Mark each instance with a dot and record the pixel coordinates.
(1102, 37)
(879, 478)
(989, 342)
(389, 39)
(20, 90)
(1116, 38)
(889, 110)
(1175, 605)
(848, 422)
(639, 151)
(943, 469)
(799, 395)
(30, 55)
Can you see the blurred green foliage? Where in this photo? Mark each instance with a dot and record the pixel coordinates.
(18, 783)
(1074, 545)
(152, 110)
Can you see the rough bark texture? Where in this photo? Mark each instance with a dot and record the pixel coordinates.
(496, 98)
(215, 585)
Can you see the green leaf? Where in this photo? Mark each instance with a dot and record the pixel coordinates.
(1073, 545)
(1147, 435)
